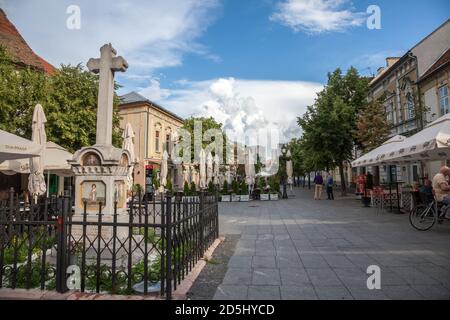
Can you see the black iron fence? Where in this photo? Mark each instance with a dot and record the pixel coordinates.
(148, 248)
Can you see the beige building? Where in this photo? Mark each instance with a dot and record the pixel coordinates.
(434, 87)
(397, 84)
(155, 130)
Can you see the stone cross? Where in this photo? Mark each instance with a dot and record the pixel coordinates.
(106, 65)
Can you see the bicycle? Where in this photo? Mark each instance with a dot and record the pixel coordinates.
(424, 216)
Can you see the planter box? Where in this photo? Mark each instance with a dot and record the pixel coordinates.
(235, 198)
(264, 197)
(245, 198)
(226, 198)
(274, 197)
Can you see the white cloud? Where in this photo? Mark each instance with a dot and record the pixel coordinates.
(318, 16)
(149, 34)
(242, 105)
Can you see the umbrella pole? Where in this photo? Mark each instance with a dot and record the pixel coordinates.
(48, 183)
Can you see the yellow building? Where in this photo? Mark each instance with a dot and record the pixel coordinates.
(434, 87)
(155, 130)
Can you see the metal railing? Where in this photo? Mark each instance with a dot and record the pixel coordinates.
(149, 248)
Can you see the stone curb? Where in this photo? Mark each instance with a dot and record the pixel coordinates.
(179, 294)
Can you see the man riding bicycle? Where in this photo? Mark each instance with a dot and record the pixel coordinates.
(442, 188)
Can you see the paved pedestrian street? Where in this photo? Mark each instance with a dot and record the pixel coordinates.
(305, 249)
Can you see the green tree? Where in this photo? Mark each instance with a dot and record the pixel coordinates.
(372, 127)
(69, 99)
(330, 123)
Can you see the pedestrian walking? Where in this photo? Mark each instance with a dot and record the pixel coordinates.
(330, 184)
(318, 182)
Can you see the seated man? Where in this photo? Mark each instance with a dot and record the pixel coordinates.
(427, 189)
(442, 188)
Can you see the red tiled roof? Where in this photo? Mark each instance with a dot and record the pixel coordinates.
(441, 62)
(17, 47)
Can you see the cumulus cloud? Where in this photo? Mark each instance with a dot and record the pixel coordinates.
(317, 16)
(242, 105)
(149, 34)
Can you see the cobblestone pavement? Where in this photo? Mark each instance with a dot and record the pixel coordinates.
(305, 249)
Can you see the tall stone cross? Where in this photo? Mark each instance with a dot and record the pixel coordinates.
(106, 66)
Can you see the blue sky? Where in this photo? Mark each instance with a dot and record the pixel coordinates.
(250, 64)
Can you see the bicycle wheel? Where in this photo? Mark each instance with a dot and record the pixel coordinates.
(423, 217)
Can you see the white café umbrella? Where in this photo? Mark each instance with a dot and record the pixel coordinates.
(36, 180)
(250, 170)
(14, 147)
(164, 169)
(128, 144)
(379, 154)
(202, 169)
(209, 168)
(187, 174)
(430, 144)
(216, 173)
(229, 178)
(289, 168)
(195, 177)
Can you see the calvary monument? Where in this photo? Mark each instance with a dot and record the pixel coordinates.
(101, 170)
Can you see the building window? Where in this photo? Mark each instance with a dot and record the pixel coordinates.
(390, 113)
(409, 106)
(157, 141)
(443, 100)
(168, 143)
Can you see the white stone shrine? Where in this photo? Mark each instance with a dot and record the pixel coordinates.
(101, 170)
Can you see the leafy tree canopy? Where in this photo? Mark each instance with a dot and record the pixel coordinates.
(69, 99)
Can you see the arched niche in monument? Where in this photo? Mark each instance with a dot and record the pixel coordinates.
(124, 161)
(91, 159)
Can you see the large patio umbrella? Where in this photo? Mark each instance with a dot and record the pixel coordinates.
(430, 144)
(209, 168)
(250, 170)
(195, 177)
(216, 173)
(187, 174)
(128, 144)
(289, 168)
(164, 169)
(228, 177)
(380, 154)
(36, 180)
(14, 147)
(54, 159)
(202, 169)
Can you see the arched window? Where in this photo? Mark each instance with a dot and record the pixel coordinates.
(157, 141)
(410, 106)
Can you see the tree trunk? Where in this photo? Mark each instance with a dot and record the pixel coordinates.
(309, 181)
(343, 184)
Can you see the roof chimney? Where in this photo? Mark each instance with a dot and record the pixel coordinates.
(391, 60)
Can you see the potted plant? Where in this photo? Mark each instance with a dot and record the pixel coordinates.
(244, 196)
(193, 193)
(211, 187)
(169, 186)
(235, 186)
(225, 195)
(274, 190)
(264, 195)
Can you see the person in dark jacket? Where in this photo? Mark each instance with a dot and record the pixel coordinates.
(318, 182)
(330, 184)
